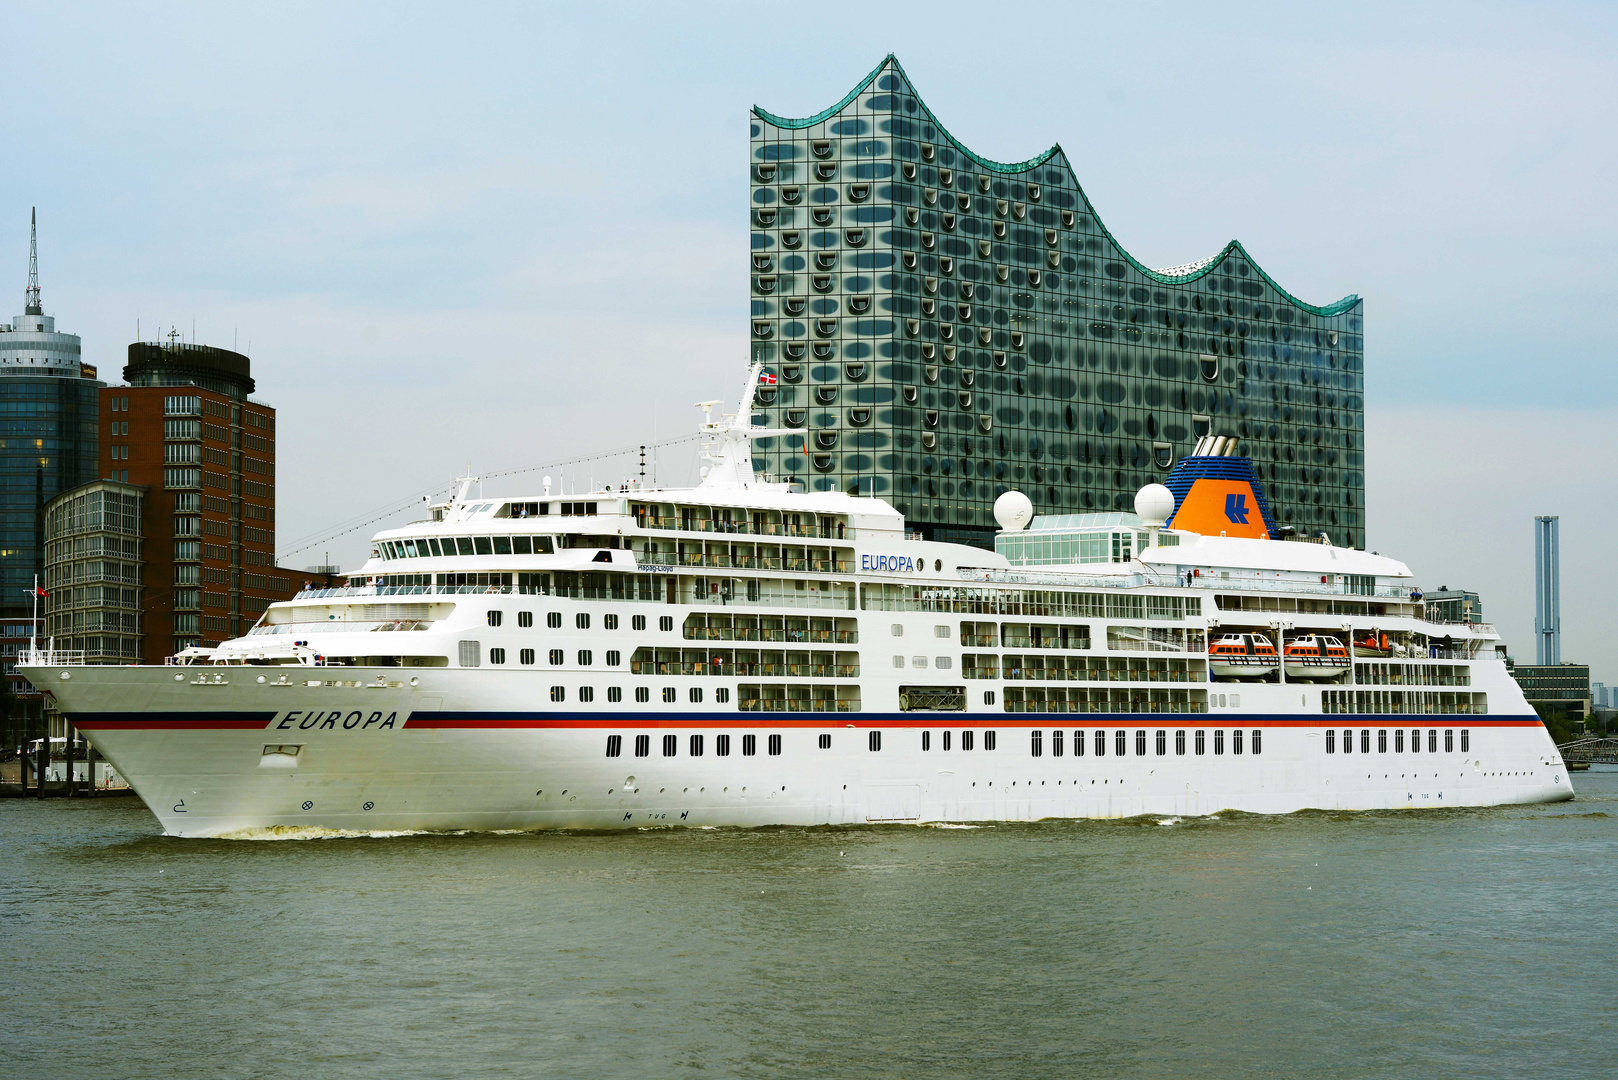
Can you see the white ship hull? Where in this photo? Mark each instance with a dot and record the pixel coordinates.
(474, 750)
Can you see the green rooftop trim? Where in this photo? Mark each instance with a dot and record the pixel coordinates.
(1346, 304)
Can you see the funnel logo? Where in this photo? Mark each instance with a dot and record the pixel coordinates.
(1215, 507)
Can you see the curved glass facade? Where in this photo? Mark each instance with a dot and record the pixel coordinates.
(944, 327)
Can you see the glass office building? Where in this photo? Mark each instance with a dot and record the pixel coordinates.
(48, 401)
(943, 327)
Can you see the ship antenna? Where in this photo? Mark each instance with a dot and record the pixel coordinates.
(32, 307)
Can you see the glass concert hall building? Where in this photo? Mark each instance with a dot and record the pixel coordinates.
(944, 327)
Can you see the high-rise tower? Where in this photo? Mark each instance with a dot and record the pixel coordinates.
(945, 327)
(1547, 590)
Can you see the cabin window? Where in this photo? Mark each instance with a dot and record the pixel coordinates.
(696, 746)
(696, 695)
(495, 617)
(558, 693)
(946, 740)
(637, 622)
(1036, 742)
(988, 697)
(926, 740)
(1236, 741)
(670, 695)
(525, 618)
(1415, 741)
(497, 656)
(1101, 743)
(721, 745)
(587, 693)
(1162, 743)
(1179, 743)
(1219, 740)
(1365, 741)
(1331, 740)
(582, 620)
(1056, 743)
(526, 656)
(615, 694)
(1382, 741)
(966, 740)
(553, 619)
(874, 740)
(643, 745)
(1140, 742)
(643, 694)
(722, 695)
(775, 745)
(610, 622)
(1348, 741)
(1398, 740)
(825, 742)
(1201, 741)
(555, 657)
(671, 745)
(666, 622)
(749, 745)
(1258, 745)
(988, 740)
(615, 745)
(1120, 743)
(1466, 741)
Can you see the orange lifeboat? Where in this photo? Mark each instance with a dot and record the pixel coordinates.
(1373, 644)
(1243, 656)
(1316, 656)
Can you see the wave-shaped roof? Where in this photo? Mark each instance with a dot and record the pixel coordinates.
(1176, 275)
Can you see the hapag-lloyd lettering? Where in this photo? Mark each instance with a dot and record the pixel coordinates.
(331, 720)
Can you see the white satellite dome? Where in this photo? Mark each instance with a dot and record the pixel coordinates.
(1154, 503)
(1013, 511)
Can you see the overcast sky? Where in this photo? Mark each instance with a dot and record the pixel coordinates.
(489, 236)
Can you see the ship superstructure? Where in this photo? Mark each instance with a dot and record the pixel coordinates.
(740, 653)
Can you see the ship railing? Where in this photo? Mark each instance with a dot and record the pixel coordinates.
(1483, 629)
(1094, 675)
(1106, 707)
(1153, 646)
(51, 657)
(1022, 575)
(745, 528)
(796, 705)
(751, 633)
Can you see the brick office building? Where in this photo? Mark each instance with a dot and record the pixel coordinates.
(185, 428)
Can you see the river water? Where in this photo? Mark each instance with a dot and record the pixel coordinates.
(1439, 943)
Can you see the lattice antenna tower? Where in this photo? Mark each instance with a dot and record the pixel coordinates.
(32, 307)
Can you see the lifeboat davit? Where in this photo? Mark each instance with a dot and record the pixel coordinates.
(1316, 656)
(1243, 656)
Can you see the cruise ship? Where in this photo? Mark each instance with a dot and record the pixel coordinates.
(740, 653)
